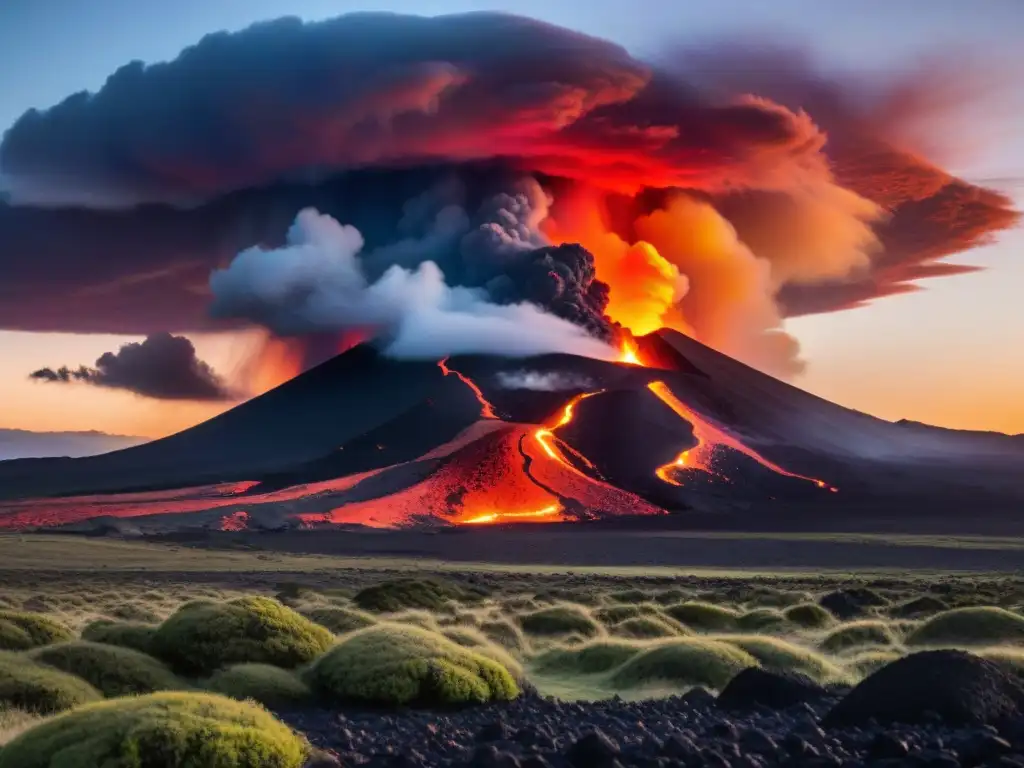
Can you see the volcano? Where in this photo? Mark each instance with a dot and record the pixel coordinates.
(674, 428)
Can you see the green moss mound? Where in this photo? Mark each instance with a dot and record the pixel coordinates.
(467, 637)
(629, 596)
(590, 659)
(111, 670)
(579, 596)
(397, 665)
(422, 619)
(970, 626)
(649, 628)
(768, 597)
(809, 615)
(135, 612)
(704, 617)
(127, 634)
(402, 594)
(269, 685)
(474, 639)
(858, 634)
(762, 620)
(20, 631)
(615, 614)
(781, 656)
(339, 620)
(164, 730)
(683, 662)
(670, 597)
(506, 634)
(926, 605)
(559, 620)
(203, 638)
(34, 687)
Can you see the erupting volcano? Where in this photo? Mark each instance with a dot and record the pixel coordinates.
(670, 427)
(557, 276)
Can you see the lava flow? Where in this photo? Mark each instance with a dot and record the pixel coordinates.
(546, 435)
(486, 409)
(497, 517)
(709, 438)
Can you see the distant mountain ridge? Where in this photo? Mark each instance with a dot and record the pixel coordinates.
(26, 444)
(980, 434)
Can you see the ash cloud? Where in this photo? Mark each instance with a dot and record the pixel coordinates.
(317, 283)
(543, 381)
(298, 99)
(878, 143)
(436, 139)
(163, 367)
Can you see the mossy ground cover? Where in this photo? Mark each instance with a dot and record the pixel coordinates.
(859, 635)
(401, 594)
(200, 639)
(127, 634)
(575, 634)
(561, 620)
(110, 669)
(683, 662)
(31, 687)
(20, 630)
(271, 686)
(168, 730)
(339, 620)
(703, 616)
(987, 625)
(401, 665)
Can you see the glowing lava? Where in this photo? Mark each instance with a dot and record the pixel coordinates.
(709, 438)
(547, 439)
(629, 355)
(547, 514)
(486, 409)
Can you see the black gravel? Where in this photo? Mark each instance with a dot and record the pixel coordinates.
(677, 732)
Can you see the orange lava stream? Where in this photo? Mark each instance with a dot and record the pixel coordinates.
(486, 409)
(547, 514)
(546, 435)
(710, 437)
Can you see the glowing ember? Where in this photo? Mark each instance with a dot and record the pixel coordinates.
(486, 409)
(547, 514)
(709, 438)
(629, 353)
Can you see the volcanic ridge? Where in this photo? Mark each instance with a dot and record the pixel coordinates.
(672, 427)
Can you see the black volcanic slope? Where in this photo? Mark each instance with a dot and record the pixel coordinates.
(364, 439)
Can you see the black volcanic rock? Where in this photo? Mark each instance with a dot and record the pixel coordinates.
(962, 689)
(754, 687)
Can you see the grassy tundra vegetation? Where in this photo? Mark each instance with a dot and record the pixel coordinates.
(108, 648)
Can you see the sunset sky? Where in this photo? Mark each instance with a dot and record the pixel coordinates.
(949, 354)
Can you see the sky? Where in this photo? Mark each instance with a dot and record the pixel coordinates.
(947, 355)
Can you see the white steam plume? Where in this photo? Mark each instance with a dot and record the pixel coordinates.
(540, 381)
(316, 283)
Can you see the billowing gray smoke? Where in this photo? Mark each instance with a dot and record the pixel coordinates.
(508, 293)
(162, 366)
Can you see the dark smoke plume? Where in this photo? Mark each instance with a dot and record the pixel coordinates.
(162, 366)
(456, 141)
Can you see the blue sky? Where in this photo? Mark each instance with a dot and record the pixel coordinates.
(945, 354)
